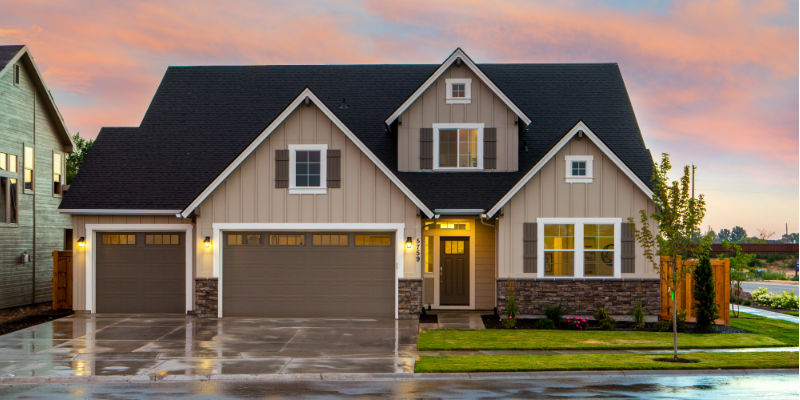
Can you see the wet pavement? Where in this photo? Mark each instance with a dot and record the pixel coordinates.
(712, 385)
(112, 345)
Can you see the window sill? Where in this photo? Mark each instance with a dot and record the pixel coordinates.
(457, 169)
(27, 191)
(308, 190)
(579, 180)
(11, 225)
(458, 101)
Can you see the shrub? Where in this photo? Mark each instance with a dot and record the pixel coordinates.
(555, 313)
(576, 323)
(705, 307)
(510, 321)
(638, 315)
(747, 302)
(681, 321)
(606, 322)
(545, 324)
(601, 314)
(663, 326)
(783, 301)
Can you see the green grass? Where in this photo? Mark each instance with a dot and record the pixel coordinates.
(784, 331)
(539, 339)
(612, 361)
(791, 313)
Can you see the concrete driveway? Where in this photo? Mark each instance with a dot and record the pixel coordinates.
(114, 344)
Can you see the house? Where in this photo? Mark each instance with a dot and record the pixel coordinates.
(33, 145)
(368, 191)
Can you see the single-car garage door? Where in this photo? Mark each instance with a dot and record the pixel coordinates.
(310, 274)
(141, 272)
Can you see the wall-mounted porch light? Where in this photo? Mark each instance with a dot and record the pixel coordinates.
(408, 242)
(81, 242)
(207, 242)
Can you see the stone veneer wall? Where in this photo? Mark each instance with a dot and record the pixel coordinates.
(409, 296)
(205, 297)
(581, 296)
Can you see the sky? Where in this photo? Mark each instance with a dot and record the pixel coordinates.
(714, 83)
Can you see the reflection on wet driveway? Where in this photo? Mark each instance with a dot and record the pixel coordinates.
(115, 344)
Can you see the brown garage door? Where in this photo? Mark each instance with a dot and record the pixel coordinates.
(141, 272)
(290, 274)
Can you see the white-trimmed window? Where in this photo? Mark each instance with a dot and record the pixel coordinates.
(27, 173)
(308, 168)
(58, 173)
(459, 91)
(579, 247)
(579, 169)
(458, 146)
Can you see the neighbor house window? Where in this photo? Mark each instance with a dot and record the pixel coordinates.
(459, 91)
(308, 168)
(27, 178)
(58, 168)
(579, 247)
(579, 169)
(3, 161)
(458, 146)
(8, 200)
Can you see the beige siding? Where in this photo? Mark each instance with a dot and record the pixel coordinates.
(431, 108)
(249, 193)
(611, 194)
(79, 223)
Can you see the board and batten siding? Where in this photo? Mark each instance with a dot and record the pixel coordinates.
(547, 195)
(25, 120)
(485, 257)
(249, 195)
(431, 108)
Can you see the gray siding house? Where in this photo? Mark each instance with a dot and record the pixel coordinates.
(368, 191)
(33, 145)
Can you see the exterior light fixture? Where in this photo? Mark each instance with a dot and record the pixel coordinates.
(81, 242)
(207, 242)
(408, 242)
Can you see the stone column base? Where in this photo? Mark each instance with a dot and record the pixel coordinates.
(205, 297)
(409, 297)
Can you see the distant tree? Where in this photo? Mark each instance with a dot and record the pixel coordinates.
(724, 235)
(752, 240)
(706, 309)
(712, 235)
(75, 159)
(765, 234)
(737, 234)
(791, 238)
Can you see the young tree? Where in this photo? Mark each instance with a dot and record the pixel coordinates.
(705, 307)
(739, 262)
(75, 159)
(738, 234)
(676, 233)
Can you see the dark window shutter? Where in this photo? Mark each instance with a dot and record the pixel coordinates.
(490, 148)
(529, 248)
(628, 246)
(425, 148)
(334, 169)
(282, 168)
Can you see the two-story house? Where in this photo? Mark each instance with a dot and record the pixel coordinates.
(368, 191)
(34, 143)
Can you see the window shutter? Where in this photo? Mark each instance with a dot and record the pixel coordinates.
(529, 247)
(628, 246)
(425, 148)
(334, 169)
(490, 148)
(282, 168)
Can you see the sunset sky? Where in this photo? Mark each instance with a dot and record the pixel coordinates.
(712, 82)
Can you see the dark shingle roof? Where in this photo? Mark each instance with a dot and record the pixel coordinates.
(7, 53)
(201, 118)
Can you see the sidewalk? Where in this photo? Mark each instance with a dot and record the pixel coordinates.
(767, 314)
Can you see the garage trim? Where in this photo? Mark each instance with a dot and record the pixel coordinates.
(218, 228)
(91, 262)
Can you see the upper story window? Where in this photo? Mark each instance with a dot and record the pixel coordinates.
(579, 169)
(457, 146)
(27, 178)
(58, 176)
(308, 168)
(459, 91)
(579, 247)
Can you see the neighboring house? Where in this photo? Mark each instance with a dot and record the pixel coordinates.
(33, 145)
(368, 191)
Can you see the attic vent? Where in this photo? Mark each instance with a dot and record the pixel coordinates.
(343, 105)
(16, 74)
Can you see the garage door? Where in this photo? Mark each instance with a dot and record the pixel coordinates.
(290, 274)
(141, 272)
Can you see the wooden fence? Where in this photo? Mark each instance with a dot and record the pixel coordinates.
(684, 297)
(758, 248)
(62, 280)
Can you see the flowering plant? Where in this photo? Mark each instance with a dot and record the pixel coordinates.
(576, 323)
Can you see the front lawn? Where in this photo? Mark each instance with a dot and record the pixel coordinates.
(540, 339)
(784, 331)
(611, 361)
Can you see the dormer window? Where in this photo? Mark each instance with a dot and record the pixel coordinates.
(459, 91)
(457, 146)
(578, 169)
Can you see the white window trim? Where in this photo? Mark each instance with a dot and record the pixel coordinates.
(449, 99)
(323, 169)
(579, 179)
(437, 127)
(578, 250)
(61, 177)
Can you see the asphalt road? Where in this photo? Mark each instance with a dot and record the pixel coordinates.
(772, 287)
(690, 386)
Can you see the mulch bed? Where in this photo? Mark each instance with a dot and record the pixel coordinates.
(16, 318)
(428, 318)
(492, 322)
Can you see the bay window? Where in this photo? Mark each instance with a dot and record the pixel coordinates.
(579, 247)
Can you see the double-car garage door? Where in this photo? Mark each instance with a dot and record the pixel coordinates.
(308, 274)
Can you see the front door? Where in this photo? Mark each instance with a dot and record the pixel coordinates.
(454, 271)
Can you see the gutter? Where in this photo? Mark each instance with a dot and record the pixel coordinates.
(96, 211)
(458, 211)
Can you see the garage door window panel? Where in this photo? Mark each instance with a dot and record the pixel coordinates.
(245, 239)
(333, 239)
(373, 240)
(162, 239)
(119, 239)
(287, 240)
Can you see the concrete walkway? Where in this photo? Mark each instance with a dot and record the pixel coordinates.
(766, 314)
(456, 320)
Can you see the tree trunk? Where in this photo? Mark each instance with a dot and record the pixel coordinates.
(674, 310)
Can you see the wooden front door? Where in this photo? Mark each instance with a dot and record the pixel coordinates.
(454, 271)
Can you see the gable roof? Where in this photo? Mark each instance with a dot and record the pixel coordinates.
(10, 55)
(202, 118)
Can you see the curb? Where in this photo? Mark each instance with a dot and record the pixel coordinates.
(378, 377)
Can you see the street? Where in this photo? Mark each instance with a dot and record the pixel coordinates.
(772, 287)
